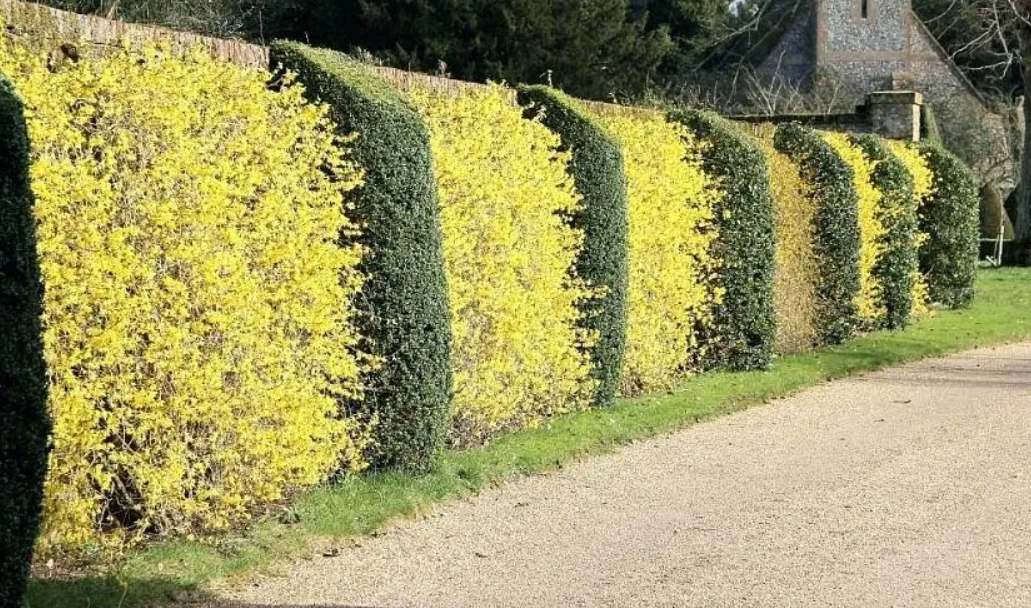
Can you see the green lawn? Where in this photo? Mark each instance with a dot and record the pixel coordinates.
(1000, 314)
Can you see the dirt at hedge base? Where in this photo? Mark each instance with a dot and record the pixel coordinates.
(910, 487)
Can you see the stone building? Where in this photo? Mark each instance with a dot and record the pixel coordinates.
(837, 52)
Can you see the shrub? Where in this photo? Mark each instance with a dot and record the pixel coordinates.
(950, 219)
(600, 178)
(403, 304)
(196, 313)
(870, 300)
(517, 355)
(672, 292)
(993, 215)
(836, 239)
(24, 423)
(915, 162)
(897, 267)
(795, 275)
(744, 324)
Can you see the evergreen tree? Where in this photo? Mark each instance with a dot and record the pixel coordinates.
(695, 27)
(592, 48)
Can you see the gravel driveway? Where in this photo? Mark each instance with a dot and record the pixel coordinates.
(909, 487)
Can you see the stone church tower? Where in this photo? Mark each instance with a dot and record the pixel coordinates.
(865, 45)
(843, 50)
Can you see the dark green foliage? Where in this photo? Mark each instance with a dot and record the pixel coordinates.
(600, 177)
(950, 219)
(24, 421)
(753, 32)
(403, 305)
(592, 48)
(836, 235)
(896, 269)
(695, 26)
(745, 324)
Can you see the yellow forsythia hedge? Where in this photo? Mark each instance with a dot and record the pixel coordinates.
(923, 185)
(504, 190)
(671, 271)
(197, 325)
(795, 286)
(871, 229)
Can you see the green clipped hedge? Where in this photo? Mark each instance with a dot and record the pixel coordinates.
(836, 236)
(951, 220)
(24, 422)
(403, 305)
(745, 324)
(897, 268)
(600, 177)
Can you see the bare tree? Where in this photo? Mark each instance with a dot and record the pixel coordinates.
(1005, 33)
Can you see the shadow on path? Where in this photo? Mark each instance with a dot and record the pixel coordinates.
(106, 592)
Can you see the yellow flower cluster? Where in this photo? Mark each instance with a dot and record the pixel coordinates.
(871, 229)
(197, 316)
(504, 189)
(923, 188)
(671, 271)
(796, 271)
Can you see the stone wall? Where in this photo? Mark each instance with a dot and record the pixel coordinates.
(835, 57)
(843, 34)
(892, 114)
(793, 58)
(47, 26)
(854, 122)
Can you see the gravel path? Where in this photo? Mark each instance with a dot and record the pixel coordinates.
(909, 487)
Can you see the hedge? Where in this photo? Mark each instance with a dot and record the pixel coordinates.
(897, 267)
(870, 200)
(516, 352)
(600, 178)
(745, 324)
(671, 202)
(24, 423)
(915, 161)
(836, 238)
(794, 291)
(951, 221)
(199, 299)
(403, 304)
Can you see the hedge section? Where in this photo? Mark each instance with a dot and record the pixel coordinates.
(24, 421)
(951, 220)
(897, 268)
(403, 306)
(836, 236)
(745, 324)
(600, 178)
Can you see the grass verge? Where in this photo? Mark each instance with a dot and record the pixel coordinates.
(171, 571)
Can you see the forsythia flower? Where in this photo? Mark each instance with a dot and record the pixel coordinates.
(871, 229)
(671, 271)
(795, 276)
(197, 309)
(517, 353)
(923, 189)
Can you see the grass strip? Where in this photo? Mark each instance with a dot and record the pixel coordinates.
(175, 570)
